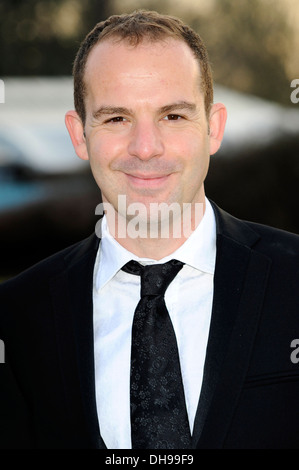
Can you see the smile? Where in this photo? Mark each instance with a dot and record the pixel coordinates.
(147, 181)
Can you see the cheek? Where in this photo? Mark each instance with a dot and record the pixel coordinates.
(196, 163)
(194, 152)
(99, 159)
(102, 151)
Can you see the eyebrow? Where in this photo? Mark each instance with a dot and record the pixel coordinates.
(113, 110)
(179, 106)
(110, 110)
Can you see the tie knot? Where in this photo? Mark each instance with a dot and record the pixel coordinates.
(155, 278)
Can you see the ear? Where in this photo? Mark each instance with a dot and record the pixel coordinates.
(76, 130)
(218, 115)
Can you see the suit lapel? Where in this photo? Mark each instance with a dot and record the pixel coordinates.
(239, 284)
(72, 300)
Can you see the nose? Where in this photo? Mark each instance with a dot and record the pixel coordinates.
(145, 141)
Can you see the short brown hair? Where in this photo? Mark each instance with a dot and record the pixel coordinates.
(134, 27)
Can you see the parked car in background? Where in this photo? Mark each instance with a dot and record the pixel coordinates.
(48, 196)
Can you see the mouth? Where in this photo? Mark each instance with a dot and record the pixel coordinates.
(147, 181)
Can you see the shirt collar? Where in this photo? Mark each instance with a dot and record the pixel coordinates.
(198, 251)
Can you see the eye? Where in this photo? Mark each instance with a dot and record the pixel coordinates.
(116, 119)
(173, 117)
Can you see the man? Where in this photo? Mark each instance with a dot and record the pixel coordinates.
(146, 121)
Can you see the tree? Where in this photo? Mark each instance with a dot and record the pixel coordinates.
(248, 42)
(41, 37)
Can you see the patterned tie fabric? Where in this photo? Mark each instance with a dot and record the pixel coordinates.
(158, 411)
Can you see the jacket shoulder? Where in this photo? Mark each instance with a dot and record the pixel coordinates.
(274, 241)
(50, 266)
(270, 241)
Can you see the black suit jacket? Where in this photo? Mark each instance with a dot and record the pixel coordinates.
(250, 391)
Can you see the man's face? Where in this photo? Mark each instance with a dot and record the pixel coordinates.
(147, 134)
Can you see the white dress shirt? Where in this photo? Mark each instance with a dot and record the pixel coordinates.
(115, 296)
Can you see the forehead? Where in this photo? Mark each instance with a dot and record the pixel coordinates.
(170, 62)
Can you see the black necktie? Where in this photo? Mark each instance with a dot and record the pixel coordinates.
(158, 411)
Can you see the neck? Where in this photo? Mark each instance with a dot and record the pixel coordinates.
(148, 239)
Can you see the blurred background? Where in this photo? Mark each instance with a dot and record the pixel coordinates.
(47, 195)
